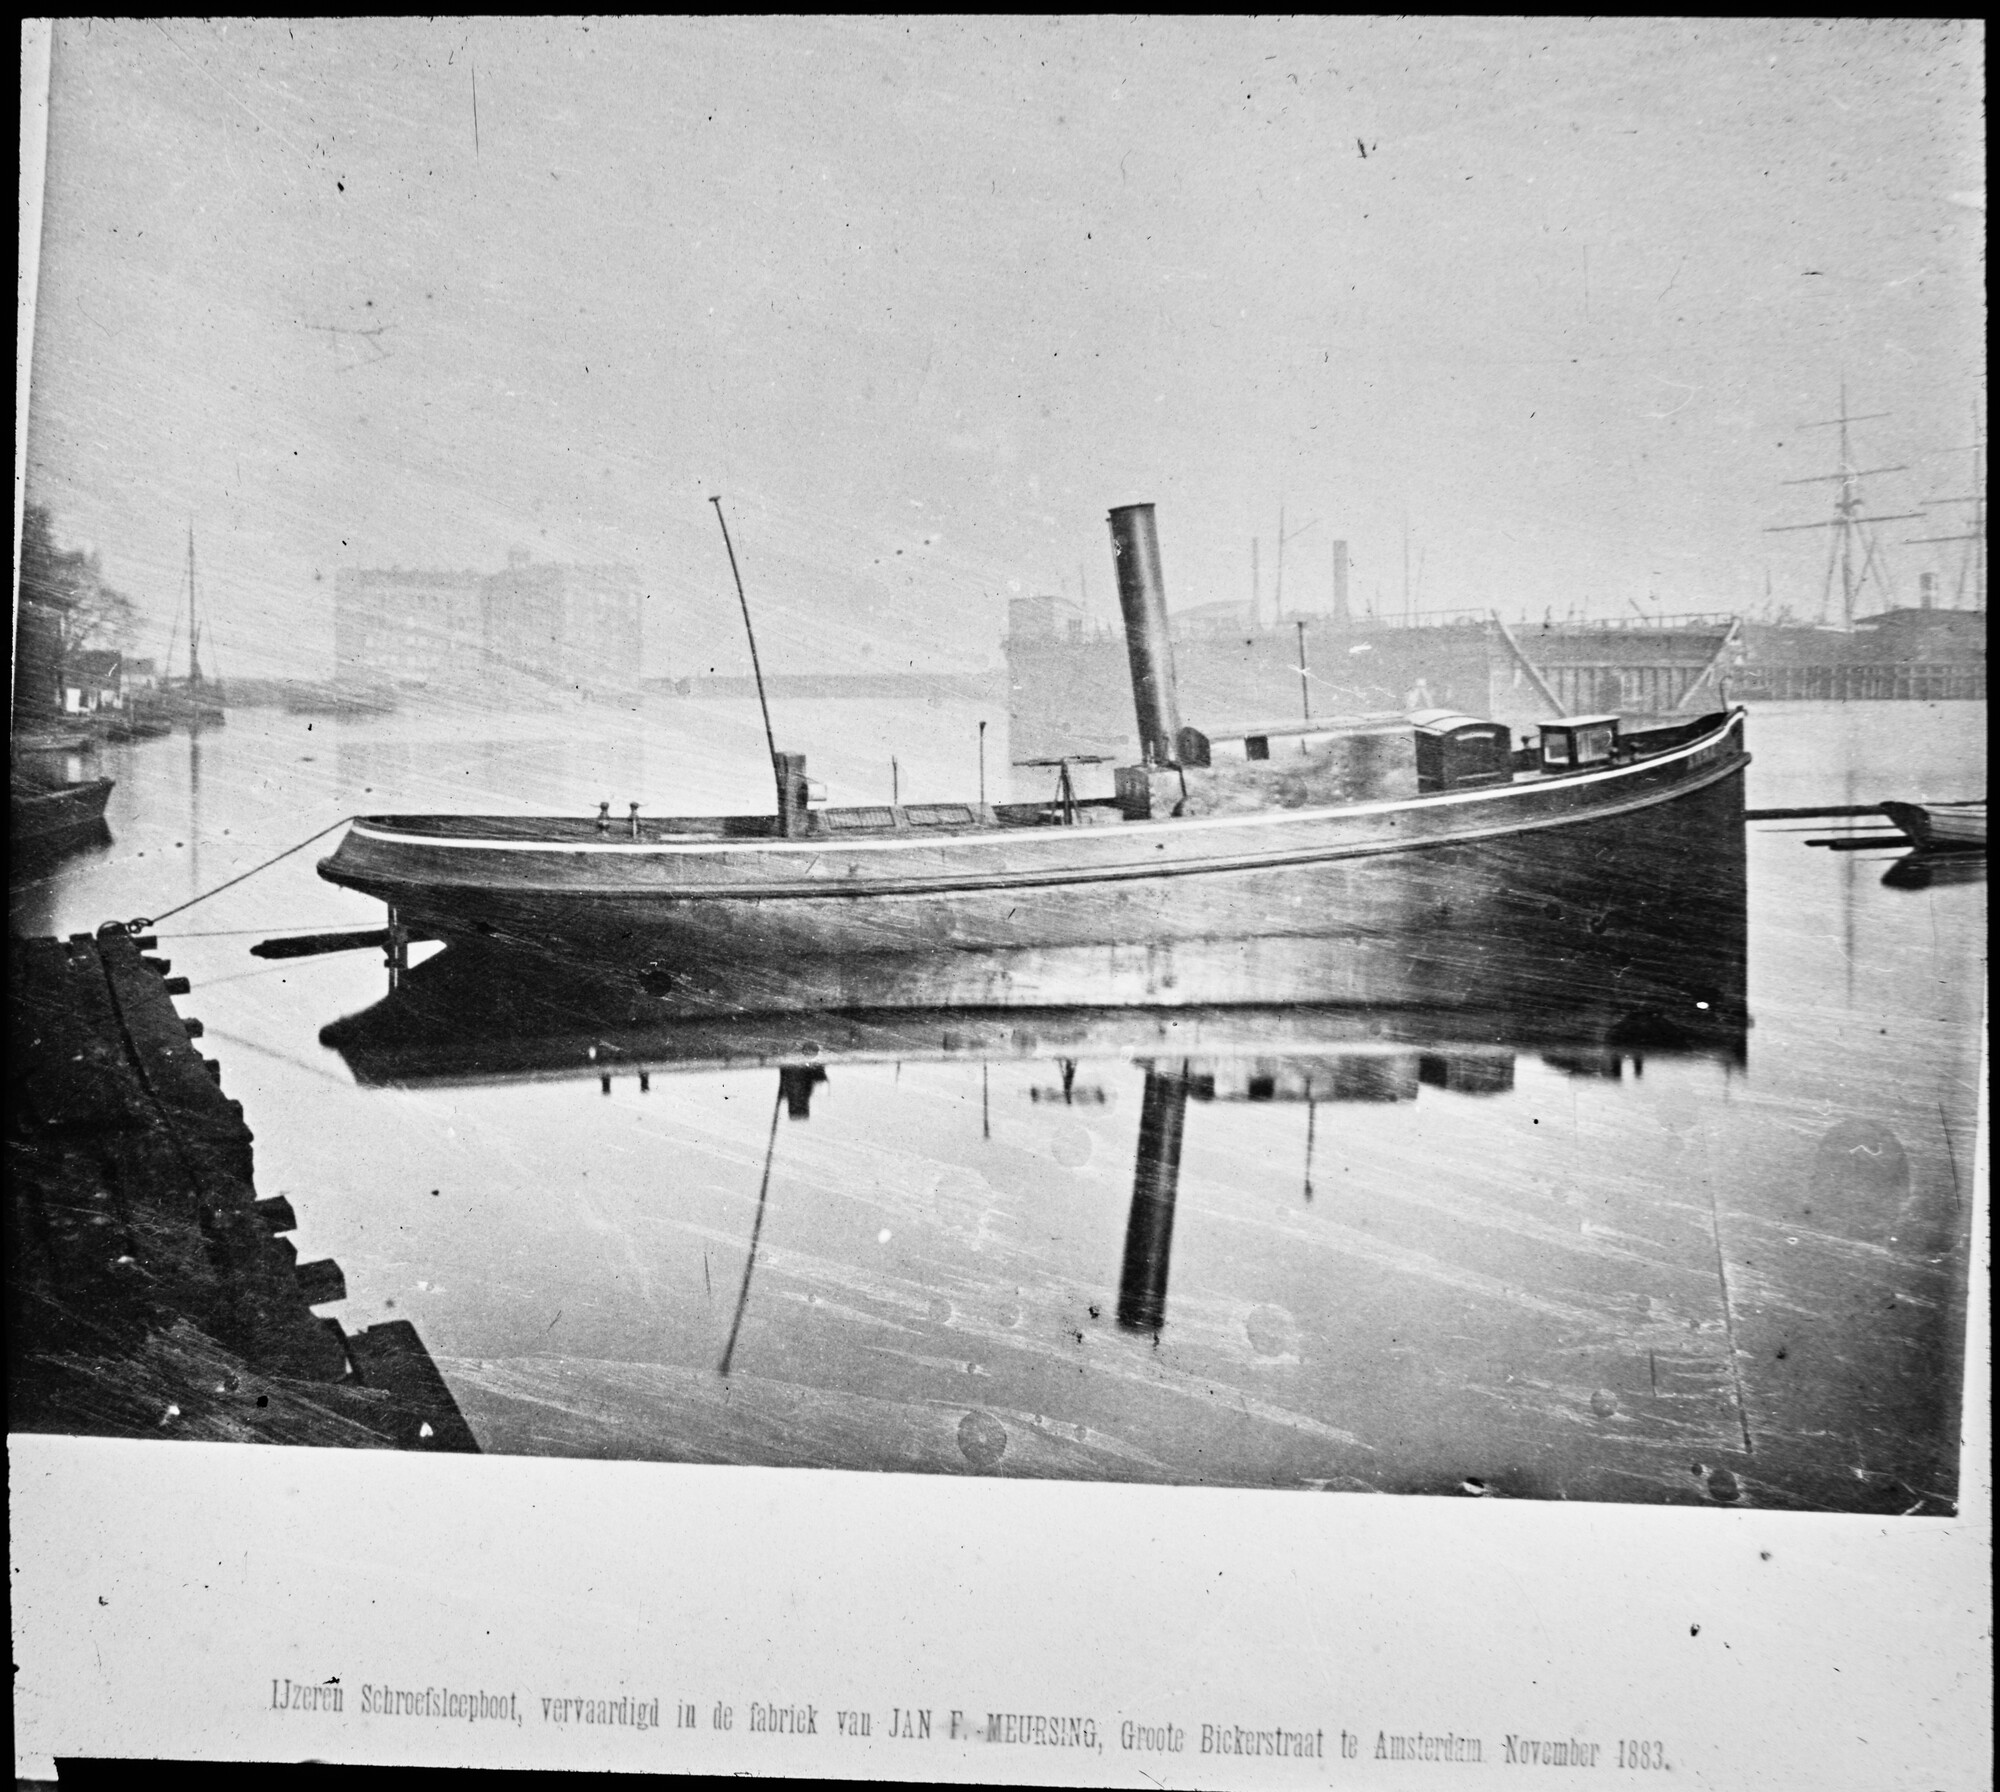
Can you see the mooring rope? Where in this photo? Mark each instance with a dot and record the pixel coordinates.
(140, 923)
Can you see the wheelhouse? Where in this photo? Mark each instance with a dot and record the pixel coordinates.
(1578, 743)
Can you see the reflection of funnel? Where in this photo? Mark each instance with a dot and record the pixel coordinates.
(1156, 1176)
(796, 1083)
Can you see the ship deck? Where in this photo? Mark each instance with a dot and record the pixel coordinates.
(1649, 738)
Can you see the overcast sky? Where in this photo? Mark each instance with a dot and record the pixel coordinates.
(923, 299)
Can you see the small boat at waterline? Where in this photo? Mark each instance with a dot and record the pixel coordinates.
(1941, 827)
(54, 813)
(1213, 848)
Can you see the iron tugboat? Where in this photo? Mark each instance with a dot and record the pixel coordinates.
(1227, 868)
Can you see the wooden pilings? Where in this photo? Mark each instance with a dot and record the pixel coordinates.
(151, 1292)
(1860, 680)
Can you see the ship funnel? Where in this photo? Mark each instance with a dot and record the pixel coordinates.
(1142, 596)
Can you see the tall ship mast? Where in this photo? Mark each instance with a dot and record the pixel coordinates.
(1969, 588)
(1852, 552)
(194, 630)
(199, 701)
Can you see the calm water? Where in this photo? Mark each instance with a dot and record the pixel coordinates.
(1294, 1251)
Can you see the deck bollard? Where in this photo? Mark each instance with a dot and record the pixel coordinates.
(634, 807)
(604, 817)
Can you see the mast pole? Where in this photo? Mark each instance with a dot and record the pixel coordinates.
(1278, 584)
(756, 665)
(1406, 572)
(1848, 506)
(194, 634)
(1846, 521)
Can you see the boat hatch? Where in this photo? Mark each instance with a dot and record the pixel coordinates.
(856, 821)
(1460, 752)
(1575, 742)
(895, 818)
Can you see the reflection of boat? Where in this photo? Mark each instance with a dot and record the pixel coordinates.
(1941, 827)
(466, 1017)
(1255, 837)
(1586, 994)
(1448, 1003)
(1930, 870)
(51, 740)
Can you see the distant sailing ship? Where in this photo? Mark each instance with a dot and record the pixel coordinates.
(193, 702)
(1240, 664)
(1933, 649)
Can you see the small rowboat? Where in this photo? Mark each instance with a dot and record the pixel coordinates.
(55, 814)
(1941, 827)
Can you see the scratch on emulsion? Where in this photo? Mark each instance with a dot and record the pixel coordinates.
(1729, 1319)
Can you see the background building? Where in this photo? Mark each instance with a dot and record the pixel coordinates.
(93, 679)
(1044, 617)
(574, 626)
(406, 626)
(573, 629)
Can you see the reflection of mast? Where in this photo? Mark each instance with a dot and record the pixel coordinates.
(1312, 1115)
(1846, 522)
(194, 801)
(194, 632)
(1156, 1175)
(756, 1229)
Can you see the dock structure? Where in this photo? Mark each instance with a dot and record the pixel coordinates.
(1333, 668)
(150, 1291)
(1846, 681)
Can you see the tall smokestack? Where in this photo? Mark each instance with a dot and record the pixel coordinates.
(1340, 610)
(1143, 598)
